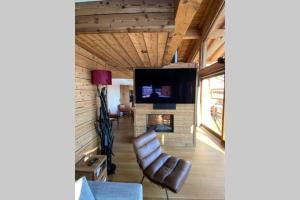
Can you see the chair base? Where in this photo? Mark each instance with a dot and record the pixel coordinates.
(167, 194)
(164, 188)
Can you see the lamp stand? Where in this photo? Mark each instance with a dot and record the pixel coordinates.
(104, 130)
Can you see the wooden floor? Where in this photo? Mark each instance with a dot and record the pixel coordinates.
(205, 181)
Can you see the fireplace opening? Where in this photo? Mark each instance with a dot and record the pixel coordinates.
(160, 122)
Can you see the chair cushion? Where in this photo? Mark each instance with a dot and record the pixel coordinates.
(156, 165)
(147, 148)
(180, 172)
(168, 171)
(82, 190)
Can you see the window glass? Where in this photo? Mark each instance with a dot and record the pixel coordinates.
(212, 103)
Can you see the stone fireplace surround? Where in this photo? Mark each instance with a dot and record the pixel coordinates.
(184, 120)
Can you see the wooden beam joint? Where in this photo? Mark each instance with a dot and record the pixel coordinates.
(192, 34)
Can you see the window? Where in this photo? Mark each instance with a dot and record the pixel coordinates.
(212, 102)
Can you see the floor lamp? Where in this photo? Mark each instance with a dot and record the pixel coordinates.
(103, 124)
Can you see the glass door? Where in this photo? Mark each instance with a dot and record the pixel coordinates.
(212, 104)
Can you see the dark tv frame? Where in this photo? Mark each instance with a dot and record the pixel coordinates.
(166, 102)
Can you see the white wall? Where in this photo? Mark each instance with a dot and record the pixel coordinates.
(113, 93)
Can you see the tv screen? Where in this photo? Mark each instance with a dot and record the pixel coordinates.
(165, 85)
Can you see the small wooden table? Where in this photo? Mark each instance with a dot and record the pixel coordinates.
(96, 170)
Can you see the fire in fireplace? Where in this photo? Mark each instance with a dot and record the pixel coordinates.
(160, 122)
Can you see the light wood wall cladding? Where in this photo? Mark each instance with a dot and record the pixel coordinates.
(86, 138)
(125, 51)
(183, 123)
(85, 113)
(85, 108)
(124, 16)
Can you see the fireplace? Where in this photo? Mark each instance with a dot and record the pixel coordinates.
(160, 122)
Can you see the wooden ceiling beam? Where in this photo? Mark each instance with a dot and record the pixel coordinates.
(216, 10)
(194, 52)
(185, 13)
(138, 22)
(124, 6)
(112, 16)
(192, 34)
(214, 18)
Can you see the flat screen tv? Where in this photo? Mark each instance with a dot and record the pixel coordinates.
(165, 85)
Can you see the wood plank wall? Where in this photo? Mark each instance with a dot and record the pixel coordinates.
(85, 103)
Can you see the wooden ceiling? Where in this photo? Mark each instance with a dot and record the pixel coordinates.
(124, 16)
(133, 33)
(127, 49)
(216, 42)
(216, 39)
(215, 34)
(210, 22)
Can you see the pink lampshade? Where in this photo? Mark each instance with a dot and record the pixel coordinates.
(101, 77)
